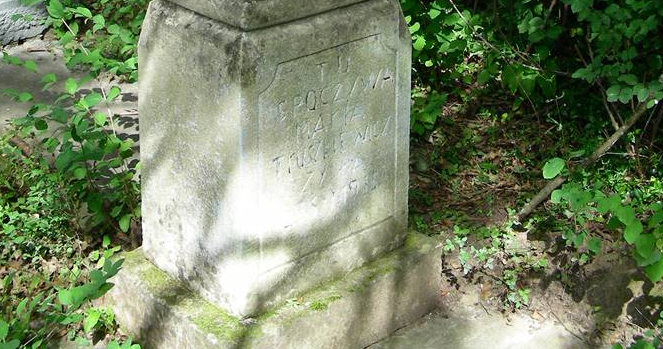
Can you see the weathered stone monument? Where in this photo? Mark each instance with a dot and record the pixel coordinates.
(274, 146)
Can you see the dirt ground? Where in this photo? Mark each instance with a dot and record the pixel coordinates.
(473, 172)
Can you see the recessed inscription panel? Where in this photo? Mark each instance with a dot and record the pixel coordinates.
(327, 144)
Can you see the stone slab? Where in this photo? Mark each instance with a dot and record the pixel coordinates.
(354, 311)
(273, 159)
(471, 327)
(251, 14)
(20, 29)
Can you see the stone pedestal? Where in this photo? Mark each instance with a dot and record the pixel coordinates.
(273, 159)
(354, 311)
(274, 148)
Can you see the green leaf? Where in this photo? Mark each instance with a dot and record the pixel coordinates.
(30, 65)
(124, 222)
(48, 80)
(24, 97)
(633, 231)
(594, 245)
(419, 43)
(106, 241)
(630, 79)
(66, 297)
(626, 215)
(71, 86)
(66, 38)
(41, 124)
(527, 83)
(92, 99)
(608, 204)
(645, 246)
(12, 344)
(4, 329)
(556, 196)
(553, 167)
(80, 172)
(55, 9)
(625, 95)
(613, 93)
(91, 319)
(83, 12)
(113, 29)
(113, 93)
(655, 271)
(641, 91)
(100, 119)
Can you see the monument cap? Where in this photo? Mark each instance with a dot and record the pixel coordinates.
(255, 14)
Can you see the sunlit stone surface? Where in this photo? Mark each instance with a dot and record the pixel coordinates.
(274, 143)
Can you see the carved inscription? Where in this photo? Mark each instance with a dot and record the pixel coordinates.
(327, 130)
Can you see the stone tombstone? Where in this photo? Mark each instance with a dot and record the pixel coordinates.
(274, 143)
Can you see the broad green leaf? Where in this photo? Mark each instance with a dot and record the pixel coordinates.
(626, 215)
(553, 167)
(641, 91)
(48, 80)
(91, 319)
(55, 9)
(113, 29)
(633, 231)
(527, 83)
(630, 79)
(419, 43)
(645, 245)
(608, 204)
(100, 119)
(41, 124)
(64, 160)
(92, 99)
(24, 97)
(71, 86)
(415, 28)
(113, 93)
(613, 93)
(625, 95)
(556, 196)
(655, 220)
(80, 172)
(30, 65)
(433, 13)
(12, 344)
(106, 241)
(83, 12)
(4, 329)
(65, 297)
(124, 222)
(594, 245)
(655, 271)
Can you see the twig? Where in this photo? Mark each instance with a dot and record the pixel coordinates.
(22, 145)
(600, 151)
(657, 123)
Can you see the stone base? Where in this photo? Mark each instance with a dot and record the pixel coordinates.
(354, 311)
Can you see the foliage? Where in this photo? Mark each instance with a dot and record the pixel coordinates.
(638, 221)
(99, 34)
(542, 53)
(47, 282)
(87, 150)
